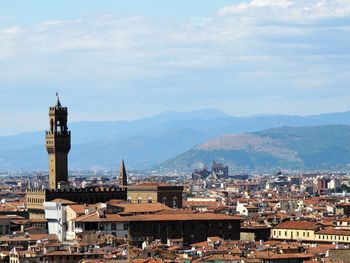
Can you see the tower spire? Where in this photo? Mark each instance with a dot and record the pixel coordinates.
(58, 104)
(123, 180)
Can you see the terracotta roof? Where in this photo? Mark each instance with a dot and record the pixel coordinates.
(287, 256)
(115, 201)
(145, 208)
(302, 225)
(178, 211)
(214, 239)
(30, 237)
(68, 253)
(203, 204)
(320, 249)
(148, 260)
(183, 217)
(79, 209)
(62, 201)
(222, 257)
(96, 217)
(333, 232)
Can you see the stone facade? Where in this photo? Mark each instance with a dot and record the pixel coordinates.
(196, 229)
(169, 195)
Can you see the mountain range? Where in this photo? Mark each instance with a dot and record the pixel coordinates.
(149, 142)
(315, 147)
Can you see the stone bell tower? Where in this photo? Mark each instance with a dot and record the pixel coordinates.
(58, 145)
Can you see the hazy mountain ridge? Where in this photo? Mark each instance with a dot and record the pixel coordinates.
(315, 147)
(147, 142)
(250, 143)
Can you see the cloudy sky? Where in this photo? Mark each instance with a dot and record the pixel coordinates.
(116, 59)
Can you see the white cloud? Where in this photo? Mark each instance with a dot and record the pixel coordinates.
(271, 3)
(13, 30)
(245, 55)
(297, 10)
(63, 22)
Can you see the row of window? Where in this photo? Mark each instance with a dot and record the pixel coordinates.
(192, 226)
(318, 236)
(139, 200)
(291, 234)
(332, 237)
(149, 200)
(104, 226)
(36, 200)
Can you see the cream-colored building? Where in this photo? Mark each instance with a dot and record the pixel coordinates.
(310, 232)
(73, 211)
(295, 230)
(333, 235)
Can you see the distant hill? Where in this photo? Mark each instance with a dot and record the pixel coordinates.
(146, 142)
(318, 147)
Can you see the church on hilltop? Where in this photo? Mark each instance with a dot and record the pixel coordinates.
(58, 144)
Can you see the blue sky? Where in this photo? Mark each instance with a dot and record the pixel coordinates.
(34, 11)
(115, 60)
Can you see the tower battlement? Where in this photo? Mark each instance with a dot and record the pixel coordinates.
(57, 133)
(53, 109)
(36, 190)
(105, 190)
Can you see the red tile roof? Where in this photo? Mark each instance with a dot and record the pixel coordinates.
(302, 225)
(96, 217)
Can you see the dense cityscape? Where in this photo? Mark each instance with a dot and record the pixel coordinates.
(208, 215)
(187, 131)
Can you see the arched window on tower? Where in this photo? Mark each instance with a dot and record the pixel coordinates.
(139, 200)
(149, 199)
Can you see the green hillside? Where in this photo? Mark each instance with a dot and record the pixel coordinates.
(317, 147)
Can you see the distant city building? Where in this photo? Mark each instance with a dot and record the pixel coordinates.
(219, 171)
(322, 186)
(247, 209)
(200, 174)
